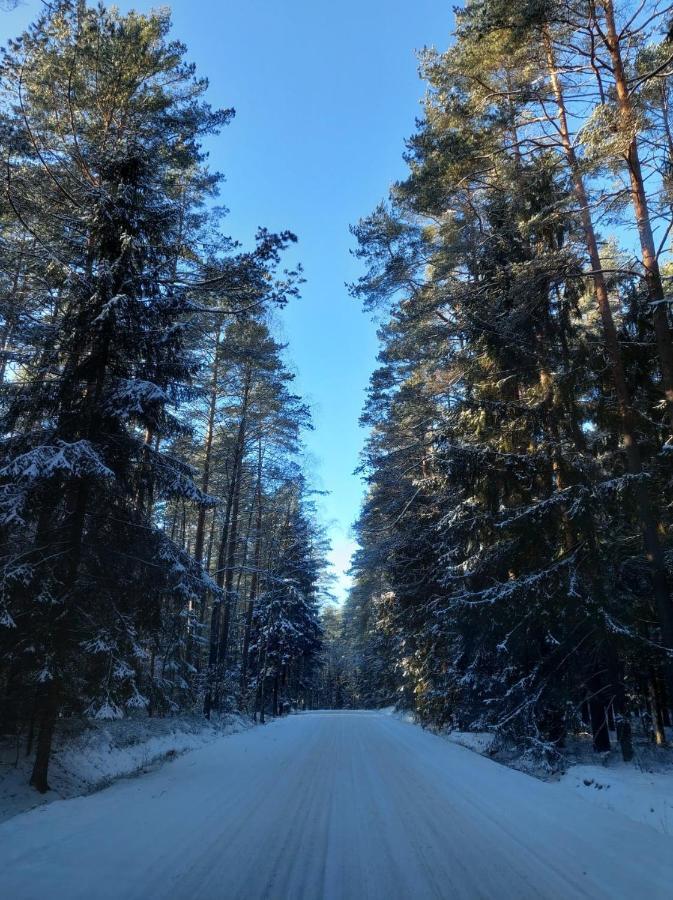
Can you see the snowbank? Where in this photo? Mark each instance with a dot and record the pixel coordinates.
(629, 789)
(90, 755)
(642, 796)
(479, 741)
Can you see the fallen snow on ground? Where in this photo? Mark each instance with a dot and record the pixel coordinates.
(642, 796)
(479, 741)
(641, 791)
(91, 755)
(333, 806)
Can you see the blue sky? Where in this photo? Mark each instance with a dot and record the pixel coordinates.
(325, 93)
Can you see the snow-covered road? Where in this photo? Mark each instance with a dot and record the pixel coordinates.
(331, 805)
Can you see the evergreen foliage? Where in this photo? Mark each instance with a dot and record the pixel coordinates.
(515, 539)
(150, 470)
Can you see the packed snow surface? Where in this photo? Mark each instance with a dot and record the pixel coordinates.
(333, 805)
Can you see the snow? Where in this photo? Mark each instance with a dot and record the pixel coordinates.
(97, 754)
(333, 805)
(479, 741)
(133, 396)
(642, 796)
(78, 458)
(628, 789)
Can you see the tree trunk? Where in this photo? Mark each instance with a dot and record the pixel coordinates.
(641, 211)
(229, 600)
(254, 581)
(227, 553)
(205, 477)
(275, 696)
(47, 720)
(598, 714)
(658, 732)
(619, 706)
(219, 623)
(208, 450)
(212, 658)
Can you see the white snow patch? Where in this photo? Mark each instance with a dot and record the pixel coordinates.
(100, 752)
(479, 741)
(642, 796)
(624, 788)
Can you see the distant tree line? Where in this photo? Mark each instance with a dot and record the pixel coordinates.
(159, 550)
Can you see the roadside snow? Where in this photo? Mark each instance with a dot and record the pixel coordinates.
(642, 796)
(479, 741)
(625, 788)
(90, 755)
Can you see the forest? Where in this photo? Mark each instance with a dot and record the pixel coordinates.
(336, 450)
(514, 568)
(160, 546)
(162, 549)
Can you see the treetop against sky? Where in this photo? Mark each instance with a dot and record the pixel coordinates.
(324, 95)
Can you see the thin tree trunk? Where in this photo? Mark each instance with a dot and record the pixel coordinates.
(225, 574)
(658, 733)
(254, 582)
(598, 713)
(275, 696)
(50, 697)
(217, 627)
(229, 600)
(47, 721)
(205, 477)
(641, 211)
(208, 449)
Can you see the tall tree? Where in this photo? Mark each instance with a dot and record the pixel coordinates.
(509, 469)
(117, 289)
